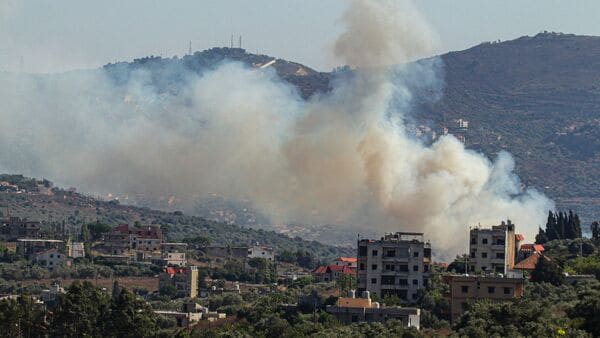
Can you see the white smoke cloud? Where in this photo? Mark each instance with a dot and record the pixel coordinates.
(339, 158)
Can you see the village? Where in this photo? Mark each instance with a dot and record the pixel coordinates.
(398, 267)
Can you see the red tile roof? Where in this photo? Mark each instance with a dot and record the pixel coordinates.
(440, 264)
(173, 271)
(334, 268)
(532, 247)
(529, 262)
(347, 259)
(519, 237)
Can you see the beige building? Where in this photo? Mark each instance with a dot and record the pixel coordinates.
(464, 289)
(398, 264)
(352, 310)
(76, 249)
(185, 280)
(492, 249)
(170, 259)
(258, 251)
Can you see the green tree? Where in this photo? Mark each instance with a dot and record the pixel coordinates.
(22, 317)
(82, 311)
(97, 229)
(547, 271)
(130, 317)
(541, 237)
(85, 233)
(587, 313)
(595, 229)
(346, 282)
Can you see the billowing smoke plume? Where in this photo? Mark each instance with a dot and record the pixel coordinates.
(339, 158)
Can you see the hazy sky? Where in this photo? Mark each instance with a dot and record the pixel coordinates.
(68, 34)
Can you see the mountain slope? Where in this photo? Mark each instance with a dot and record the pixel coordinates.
(55, 205)
(535, 97)
(538, 98)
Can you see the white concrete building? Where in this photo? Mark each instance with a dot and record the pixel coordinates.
(261, 252)
(398, 264)
(51, 258)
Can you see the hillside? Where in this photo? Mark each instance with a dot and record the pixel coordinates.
(55, 205)
(536, 97)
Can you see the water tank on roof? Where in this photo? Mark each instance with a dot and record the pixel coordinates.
(366, 295)
(351, 294)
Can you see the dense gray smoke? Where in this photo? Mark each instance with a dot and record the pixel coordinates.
(339, 158)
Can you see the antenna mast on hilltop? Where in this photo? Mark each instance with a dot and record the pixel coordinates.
(190, 48)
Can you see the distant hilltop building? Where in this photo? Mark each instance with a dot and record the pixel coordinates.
(397, 264)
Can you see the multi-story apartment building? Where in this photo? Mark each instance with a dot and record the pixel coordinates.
(398, 264)
(492, 249)
(124, 238)
(12, 228)
(464, 289)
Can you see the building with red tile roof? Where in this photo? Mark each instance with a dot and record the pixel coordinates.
(348, 261)
(327, 273)
(529, 262)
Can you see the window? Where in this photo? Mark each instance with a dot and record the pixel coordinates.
(463, 306)
(414, 296)
(374, 253)
(373, 280)
(473, 240)
(491, 289)
(374, 267)
(391, 253)
(362, 266)
(484, 241)
(415, 268)
(415, 282)
(402, 281)
(484, 255)
(473, 254)
(425, 268)
(403, 268)
(389, 267)
(388, 280)
(464, 288)
(51, 255)
(425, 281)
(427, 252)
(362, 251)
(500, 255)
(416, 254)
(472, 268)
(507, 291)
